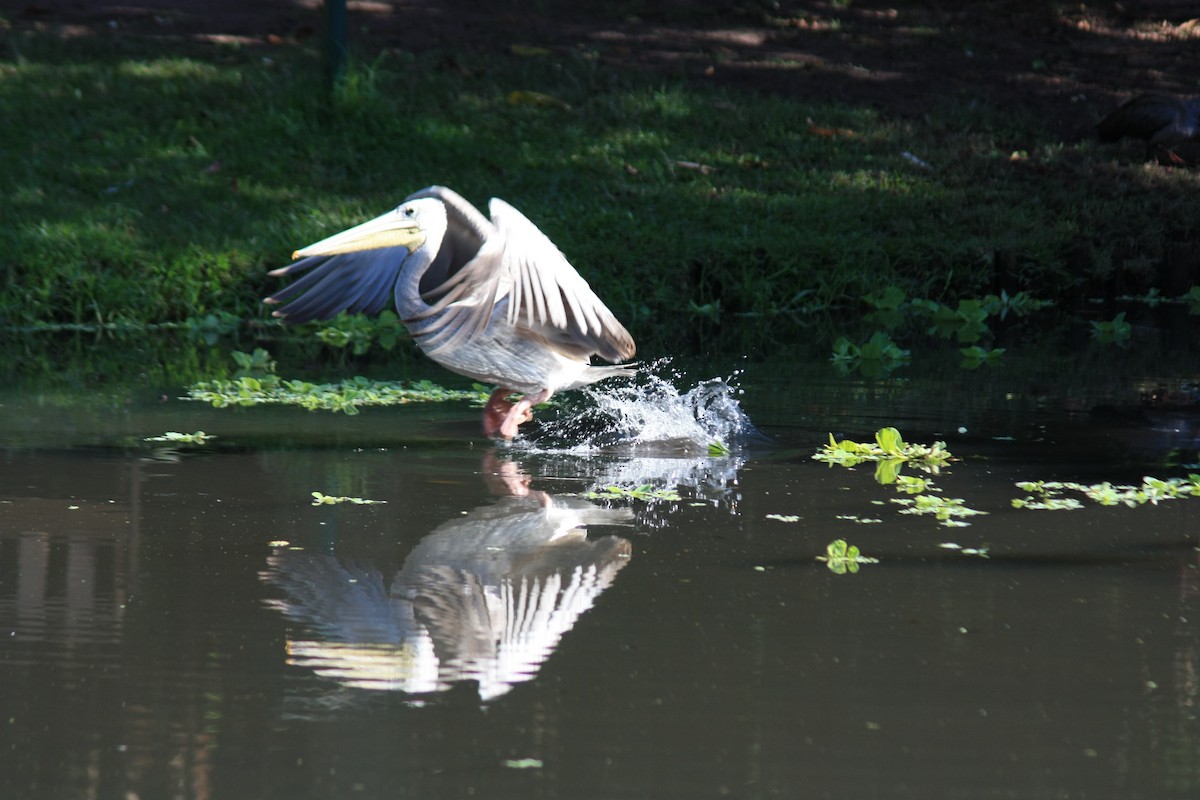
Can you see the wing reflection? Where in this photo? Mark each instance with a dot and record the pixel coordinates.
(484, 597)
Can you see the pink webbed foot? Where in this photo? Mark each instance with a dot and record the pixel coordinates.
(502, 418)
(496, 411)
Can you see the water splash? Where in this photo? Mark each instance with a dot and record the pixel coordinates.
(645, 431)
(651, 416)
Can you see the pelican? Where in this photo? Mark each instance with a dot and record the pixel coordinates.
(494, 300)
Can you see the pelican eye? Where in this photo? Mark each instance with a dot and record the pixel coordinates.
(408, 211)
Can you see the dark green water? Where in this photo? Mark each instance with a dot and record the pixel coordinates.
(182, 622)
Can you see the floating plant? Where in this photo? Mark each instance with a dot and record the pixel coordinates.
(841, 557)
(347, 396)
(644, 492)
(1048, 495)
(889, 447)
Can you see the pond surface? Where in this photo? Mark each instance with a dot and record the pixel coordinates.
(181, 621)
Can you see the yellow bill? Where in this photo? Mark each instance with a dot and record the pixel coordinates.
(393, 229)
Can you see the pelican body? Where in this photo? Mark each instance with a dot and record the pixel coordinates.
(1165, 122)
(493, 300)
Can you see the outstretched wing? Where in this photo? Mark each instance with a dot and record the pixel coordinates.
(403, 254)
(549, 297)
(359, 282)
(355, 270)
(519, 273)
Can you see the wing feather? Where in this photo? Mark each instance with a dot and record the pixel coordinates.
(357, 281)
(554, 298)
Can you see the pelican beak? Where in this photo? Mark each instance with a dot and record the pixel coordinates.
(393, 229)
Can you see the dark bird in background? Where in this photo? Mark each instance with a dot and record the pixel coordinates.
(1165, 122)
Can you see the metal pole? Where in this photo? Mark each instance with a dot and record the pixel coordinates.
(335, 41)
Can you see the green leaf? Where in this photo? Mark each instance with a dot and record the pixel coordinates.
(887, 471)
(891, 298)
(889, 440)
(717, 449)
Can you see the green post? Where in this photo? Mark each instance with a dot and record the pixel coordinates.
(335, 41)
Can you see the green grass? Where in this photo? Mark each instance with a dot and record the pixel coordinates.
(150, 183)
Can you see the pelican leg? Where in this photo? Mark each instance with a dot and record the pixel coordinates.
(521, 411)
(496, 411)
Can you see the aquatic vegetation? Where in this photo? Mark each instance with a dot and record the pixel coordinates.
(1115, 331)
(199, 437)
(1048, 503)
(966, 322)
(1048, 495)
(913, 484)
(255, 383)
(890, 308)
(645, 492)
(1020, 304)
(924, 498)
(320, 499)
(1192, 298)
(1154, 297)
(877, 356)
(890, 451)
(346, 396)
(841, 557)
(947, 511)
(976, 356)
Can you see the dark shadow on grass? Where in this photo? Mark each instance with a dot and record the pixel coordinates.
(1066, 65)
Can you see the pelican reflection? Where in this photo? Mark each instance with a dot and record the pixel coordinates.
(486, 596)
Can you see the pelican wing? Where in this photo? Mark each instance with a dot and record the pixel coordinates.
(548, 296)
(517, 272)
(358, 282)
(355, 270)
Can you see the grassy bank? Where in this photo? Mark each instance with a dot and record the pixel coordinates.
(149, 183)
